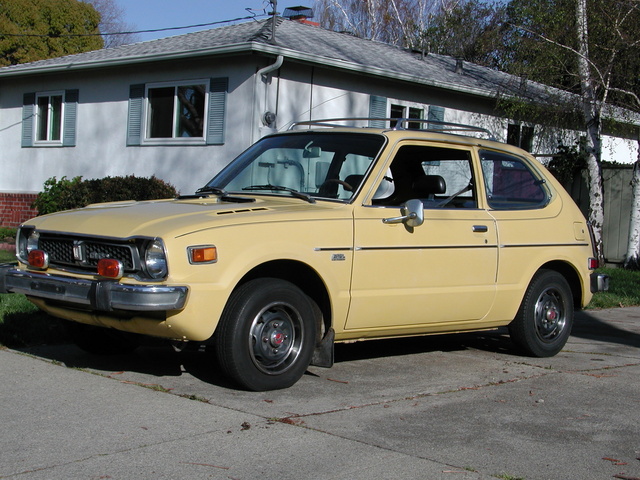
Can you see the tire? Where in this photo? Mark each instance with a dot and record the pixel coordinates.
(102, 341)
(545, 318)
(266, 336)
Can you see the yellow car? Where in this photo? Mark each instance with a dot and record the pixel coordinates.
(319, 235)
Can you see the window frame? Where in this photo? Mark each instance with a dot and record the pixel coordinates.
(173, 140)
(49, 120)
(31, 118)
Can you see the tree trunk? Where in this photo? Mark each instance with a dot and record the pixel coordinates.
(632, 259)
(592, 116)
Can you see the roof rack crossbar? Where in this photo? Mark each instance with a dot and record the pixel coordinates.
(400, 124)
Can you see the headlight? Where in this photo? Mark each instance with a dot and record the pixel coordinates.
(26, 240)
(155, 260)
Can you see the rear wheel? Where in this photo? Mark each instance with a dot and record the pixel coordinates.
(545, 318)
(266, 335)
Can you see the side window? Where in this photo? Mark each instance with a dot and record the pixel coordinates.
(49, 119)
(189, 112)
(510, 183)
(440, 177)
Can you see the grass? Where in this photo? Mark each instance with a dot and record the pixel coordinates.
(624, 289)
(22, 324)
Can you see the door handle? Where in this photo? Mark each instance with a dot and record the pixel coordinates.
(480, 229)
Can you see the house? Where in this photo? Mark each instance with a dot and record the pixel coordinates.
(182, 107)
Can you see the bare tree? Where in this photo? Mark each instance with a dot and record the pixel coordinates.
(112, 21)
(391, 21)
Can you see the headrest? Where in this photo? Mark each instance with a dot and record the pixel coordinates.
(429, 185)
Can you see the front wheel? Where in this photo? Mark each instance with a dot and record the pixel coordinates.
(266, 335)
(543, 323)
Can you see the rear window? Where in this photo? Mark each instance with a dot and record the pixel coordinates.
(510, 182)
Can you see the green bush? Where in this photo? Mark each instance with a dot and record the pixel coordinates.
(65, 194)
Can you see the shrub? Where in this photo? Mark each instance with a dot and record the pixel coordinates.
(67, 194)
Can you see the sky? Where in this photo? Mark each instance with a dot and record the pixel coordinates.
(156, 14)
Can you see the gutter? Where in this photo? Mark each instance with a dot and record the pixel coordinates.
(263, 75)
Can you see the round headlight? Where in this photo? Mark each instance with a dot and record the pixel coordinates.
(156, 260)
(27, 241)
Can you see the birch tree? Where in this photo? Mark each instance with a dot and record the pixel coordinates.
(590, 48)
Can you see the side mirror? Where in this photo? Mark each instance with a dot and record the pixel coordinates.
(412, 214)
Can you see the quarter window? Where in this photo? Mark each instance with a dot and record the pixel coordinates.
(511, 184)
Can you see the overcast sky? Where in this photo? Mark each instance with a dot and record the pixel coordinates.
(156, 14)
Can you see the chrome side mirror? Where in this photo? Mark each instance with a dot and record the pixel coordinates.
(412, 214)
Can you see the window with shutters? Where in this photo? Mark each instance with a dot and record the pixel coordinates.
(49, 119)
(188, 112)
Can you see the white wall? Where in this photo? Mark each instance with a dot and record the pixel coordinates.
(101, 148)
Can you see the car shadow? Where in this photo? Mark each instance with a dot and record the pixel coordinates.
(158, 358)
(589, 327)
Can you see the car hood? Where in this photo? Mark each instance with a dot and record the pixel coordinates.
(177, 217)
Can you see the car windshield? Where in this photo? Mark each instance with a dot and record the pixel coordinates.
(305, 165)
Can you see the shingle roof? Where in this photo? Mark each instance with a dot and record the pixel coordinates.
(301, 42)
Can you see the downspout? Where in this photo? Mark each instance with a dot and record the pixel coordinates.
(263, 75)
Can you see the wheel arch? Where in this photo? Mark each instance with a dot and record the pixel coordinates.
(571, 276)
(304, 277)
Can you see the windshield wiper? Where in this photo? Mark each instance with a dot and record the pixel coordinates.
(214, 190)
(280, 188)
(223, 195)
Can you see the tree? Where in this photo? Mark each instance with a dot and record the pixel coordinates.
(33, 30)
(471, 30)
(112, 21)
(591, 48)
(391, 21)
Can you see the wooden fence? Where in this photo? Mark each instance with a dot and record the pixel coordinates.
(617, 207)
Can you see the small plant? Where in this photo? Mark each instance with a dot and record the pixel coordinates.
(65, 194)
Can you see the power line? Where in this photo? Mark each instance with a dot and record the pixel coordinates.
(251, 17)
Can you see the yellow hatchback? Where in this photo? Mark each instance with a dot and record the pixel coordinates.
(319, 235)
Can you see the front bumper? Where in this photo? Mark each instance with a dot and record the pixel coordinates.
(599, 282)
(99, 295)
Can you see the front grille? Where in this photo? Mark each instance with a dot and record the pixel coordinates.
(85, 254)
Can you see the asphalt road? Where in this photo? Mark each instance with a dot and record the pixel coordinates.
(443, 407)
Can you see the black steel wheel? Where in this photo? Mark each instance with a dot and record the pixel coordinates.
(545, 318)
(266, 335)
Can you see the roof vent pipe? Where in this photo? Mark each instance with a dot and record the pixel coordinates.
(459, 66)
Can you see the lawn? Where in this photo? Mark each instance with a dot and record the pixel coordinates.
(21, 323)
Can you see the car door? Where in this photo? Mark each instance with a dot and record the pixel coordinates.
(439, 273)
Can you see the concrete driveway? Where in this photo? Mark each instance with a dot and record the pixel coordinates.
(443, 407)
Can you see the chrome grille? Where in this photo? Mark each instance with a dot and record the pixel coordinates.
(86, 253)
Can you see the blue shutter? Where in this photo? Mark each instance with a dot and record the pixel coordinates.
(70, 118)
(134, 120)
(436, 114)
(28, 109)
(377, 109)
(218, 88)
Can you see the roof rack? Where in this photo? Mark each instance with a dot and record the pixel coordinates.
(401, 124)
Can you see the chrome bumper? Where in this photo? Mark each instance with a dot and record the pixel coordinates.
(599, 282)
(102, 295)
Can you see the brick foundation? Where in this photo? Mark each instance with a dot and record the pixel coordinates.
(15, 208)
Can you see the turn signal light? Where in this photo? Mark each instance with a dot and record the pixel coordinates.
(203, 254)
(110, 267)
(38, 259)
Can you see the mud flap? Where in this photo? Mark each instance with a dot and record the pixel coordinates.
(323, 354)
